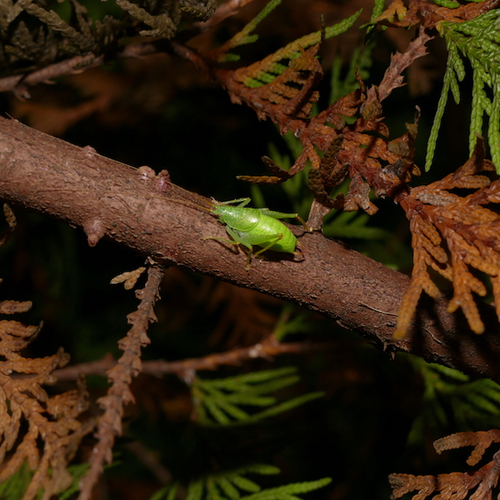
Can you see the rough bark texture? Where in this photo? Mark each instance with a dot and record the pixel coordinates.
(139, 210)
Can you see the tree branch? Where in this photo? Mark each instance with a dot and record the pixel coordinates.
(139, 210)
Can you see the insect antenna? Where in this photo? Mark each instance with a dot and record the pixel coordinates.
(200, 203)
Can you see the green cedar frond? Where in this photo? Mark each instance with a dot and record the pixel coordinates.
(449, 4)
(449, 394)
(168, 492)
(478, 40)
(273, 65)
(452, 4)
(361, 62)
(244, 36)
(78, 472)
(378, 8)
(288, 324)
(288, 492)
(195, 490)
(287, 405)
(15, 487)
(220, 401)
(352, 225)
(234, 485)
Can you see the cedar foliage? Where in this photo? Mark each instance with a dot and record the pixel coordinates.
(453, 233)
(456, 484)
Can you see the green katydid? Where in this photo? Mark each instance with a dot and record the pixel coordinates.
(254, 227)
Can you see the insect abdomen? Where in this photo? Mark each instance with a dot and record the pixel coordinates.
(267, 230)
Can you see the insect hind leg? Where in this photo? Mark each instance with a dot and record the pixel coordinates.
(239, 241)
(270, 245)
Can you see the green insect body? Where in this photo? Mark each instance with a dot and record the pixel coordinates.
(255, 227)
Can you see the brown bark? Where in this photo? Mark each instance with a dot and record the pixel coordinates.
(137, 209)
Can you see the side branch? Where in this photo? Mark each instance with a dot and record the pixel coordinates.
(142, 211)
(128, 367)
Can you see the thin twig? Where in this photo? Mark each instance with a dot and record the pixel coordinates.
(19, 83)
(151, 460)
(268, 348)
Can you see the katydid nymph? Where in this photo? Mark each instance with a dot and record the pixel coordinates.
(251, 227)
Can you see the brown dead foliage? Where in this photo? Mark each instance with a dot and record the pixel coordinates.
(452, 233)
(429, 14)
(35, 428)
(456, 485)
(362, 150)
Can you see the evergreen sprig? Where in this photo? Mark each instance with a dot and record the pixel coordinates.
(478, 41)
(15, 487)
(360, 63)
(339, 224)
(234, 485)
(245, 36)
(275, 64)
(451, 398)
(221, 401)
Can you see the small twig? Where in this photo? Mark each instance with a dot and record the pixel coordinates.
(99, 367)
(151, 461)
(191, 55)
(19, 83)
(268, 348)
